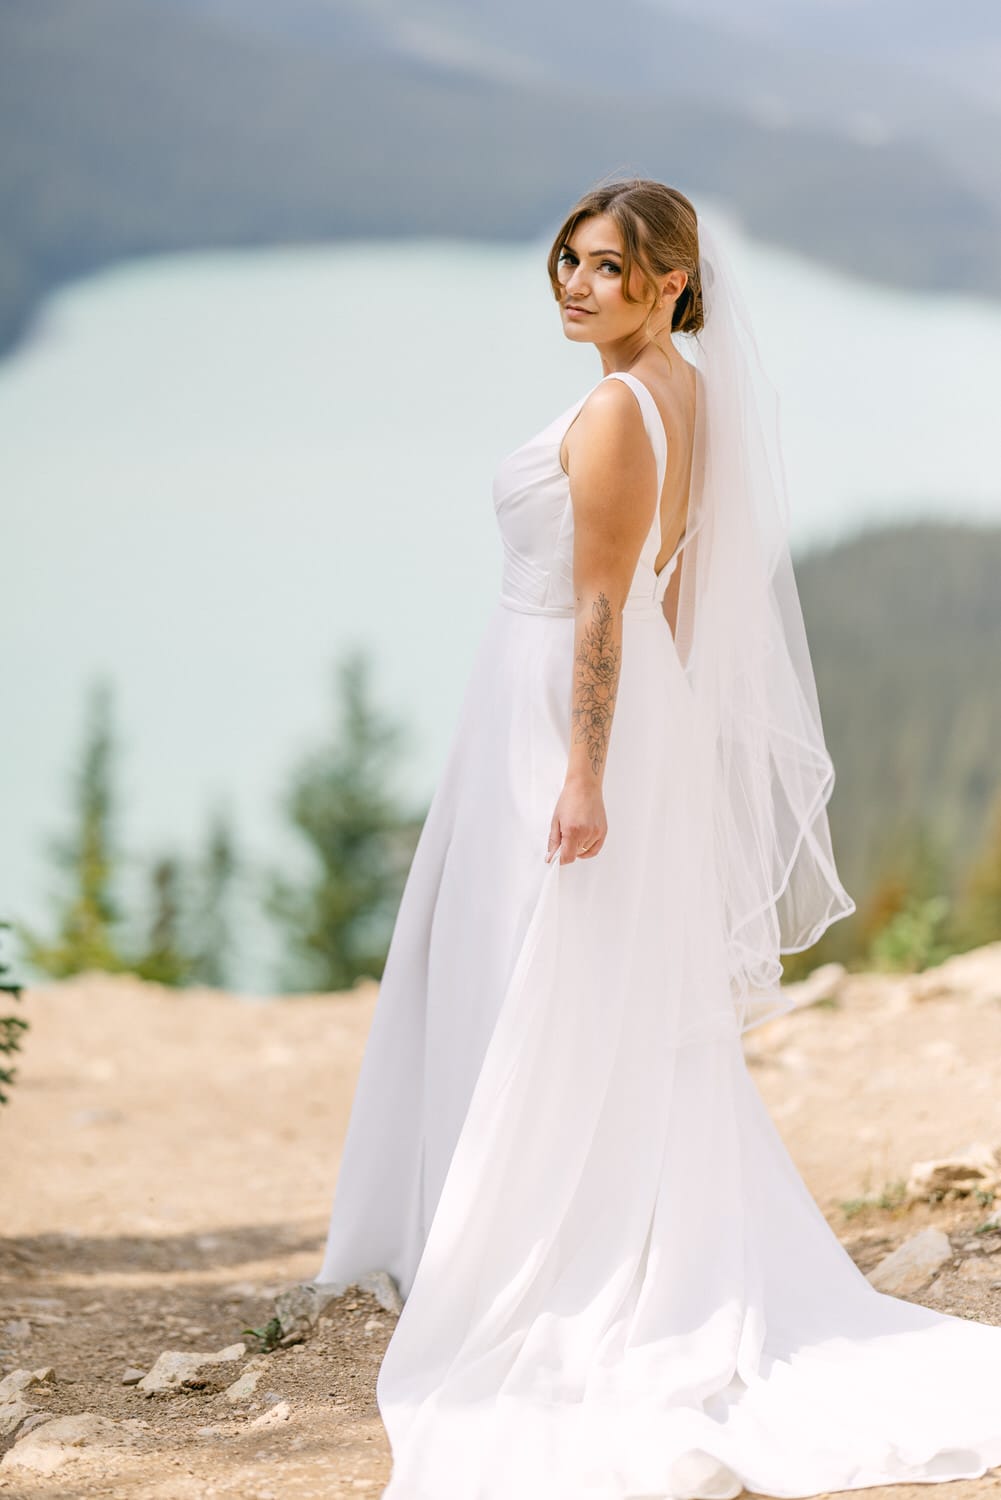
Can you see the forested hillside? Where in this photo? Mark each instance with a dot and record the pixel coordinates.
(905, 631)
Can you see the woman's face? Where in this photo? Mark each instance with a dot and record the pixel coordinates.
(592, 305)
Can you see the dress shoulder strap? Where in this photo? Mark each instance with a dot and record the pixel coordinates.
(652, 420)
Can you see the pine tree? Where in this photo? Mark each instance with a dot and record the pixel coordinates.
(337, 925)
(87, 859)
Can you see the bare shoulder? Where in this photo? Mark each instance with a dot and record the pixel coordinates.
(611, 415)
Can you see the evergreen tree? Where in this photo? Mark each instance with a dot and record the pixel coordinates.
(87, 861)
(337, 925)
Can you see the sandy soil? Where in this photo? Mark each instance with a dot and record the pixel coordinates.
(169, 1161)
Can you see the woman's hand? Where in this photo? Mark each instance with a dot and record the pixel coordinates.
(579, 824)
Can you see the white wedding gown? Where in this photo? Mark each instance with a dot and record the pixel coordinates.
(617, 1286)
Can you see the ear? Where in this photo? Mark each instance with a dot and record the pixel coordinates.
(673, 285)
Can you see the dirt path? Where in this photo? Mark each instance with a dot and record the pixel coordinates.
(168, 1165)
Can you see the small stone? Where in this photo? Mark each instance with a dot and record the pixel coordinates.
(248, 1382)
(132, 1375)
(913, 1264)
(177, 1369)
(22, 1380)
(274, 1416)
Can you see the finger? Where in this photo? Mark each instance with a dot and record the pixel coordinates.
(554, 838)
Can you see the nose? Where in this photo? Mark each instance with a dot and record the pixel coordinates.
(576, 282)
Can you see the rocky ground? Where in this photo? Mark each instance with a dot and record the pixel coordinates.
(168, 1167)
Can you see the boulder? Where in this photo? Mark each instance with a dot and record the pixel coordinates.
(298, 1309)
(913, 1264)
(54, 1442)
(13, 1415)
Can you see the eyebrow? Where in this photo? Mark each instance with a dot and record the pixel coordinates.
(569, 247)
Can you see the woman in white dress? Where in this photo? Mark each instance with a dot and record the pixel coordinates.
(616, 1285)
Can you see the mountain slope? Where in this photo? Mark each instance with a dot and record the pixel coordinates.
(904, 627)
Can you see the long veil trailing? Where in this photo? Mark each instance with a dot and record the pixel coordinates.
(741, 638)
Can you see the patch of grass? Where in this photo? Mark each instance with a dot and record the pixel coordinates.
(892, 1197)
(268, 1335)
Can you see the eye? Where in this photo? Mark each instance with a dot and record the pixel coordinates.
(568, 255)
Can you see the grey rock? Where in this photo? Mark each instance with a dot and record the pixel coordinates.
(247, 1384)
(178, 1369)
(21, 1380)
(913, 1264)
(299, 1308)
(13, 1415)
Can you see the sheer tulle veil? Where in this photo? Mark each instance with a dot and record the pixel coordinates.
(742, 641)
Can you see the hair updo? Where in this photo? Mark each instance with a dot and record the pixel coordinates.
(660, 233)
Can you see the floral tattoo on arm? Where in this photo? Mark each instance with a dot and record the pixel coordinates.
(596, 679)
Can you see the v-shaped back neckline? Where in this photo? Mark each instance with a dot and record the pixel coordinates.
(630, 378)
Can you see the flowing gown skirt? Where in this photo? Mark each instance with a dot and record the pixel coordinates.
(617, 1285)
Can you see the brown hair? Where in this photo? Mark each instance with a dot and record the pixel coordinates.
(660, 233)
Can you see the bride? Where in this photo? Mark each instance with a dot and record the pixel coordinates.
(616, 1286)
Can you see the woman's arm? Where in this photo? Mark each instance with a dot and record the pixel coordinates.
(613, 477)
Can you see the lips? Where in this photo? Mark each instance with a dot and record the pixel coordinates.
(572, 307)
